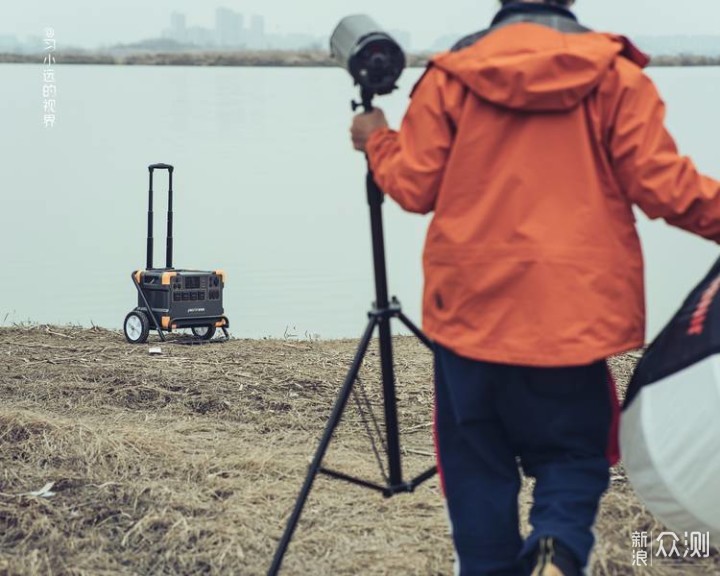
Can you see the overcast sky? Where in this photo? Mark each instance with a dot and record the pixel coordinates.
(94, 23)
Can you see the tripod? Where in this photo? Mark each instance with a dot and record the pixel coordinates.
(382, 312)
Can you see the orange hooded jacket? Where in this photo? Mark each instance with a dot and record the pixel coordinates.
(531, 146)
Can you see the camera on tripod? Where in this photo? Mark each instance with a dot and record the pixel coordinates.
(375, 61)
(372, 57)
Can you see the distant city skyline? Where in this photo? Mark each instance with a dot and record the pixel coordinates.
(233, 29)
(274, 24)
(229, 30)
(88, 24)
(219, 30)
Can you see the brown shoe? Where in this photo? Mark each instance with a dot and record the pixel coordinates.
(553, 559)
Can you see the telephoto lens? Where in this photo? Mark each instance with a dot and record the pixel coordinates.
(371, 56)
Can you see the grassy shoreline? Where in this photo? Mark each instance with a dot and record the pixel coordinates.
(189, 462)
(280, 59)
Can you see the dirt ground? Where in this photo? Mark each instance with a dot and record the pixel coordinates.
(190, 461)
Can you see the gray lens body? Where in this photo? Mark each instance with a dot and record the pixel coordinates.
(372, 57)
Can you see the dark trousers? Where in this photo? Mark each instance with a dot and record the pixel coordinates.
(491, 419)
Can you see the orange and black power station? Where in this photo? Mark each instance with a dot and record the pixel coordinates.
(170, 299)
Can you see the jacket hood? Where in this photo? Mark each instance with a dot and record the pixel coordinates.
(528, 66)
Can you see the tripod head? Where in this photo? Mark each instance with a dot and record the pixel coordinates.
(371, 56)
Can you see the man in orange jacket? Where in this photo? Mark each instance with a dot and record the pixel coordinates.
(530, 142)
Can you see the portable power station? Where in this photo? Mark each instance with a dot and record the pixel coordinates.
(170, 299)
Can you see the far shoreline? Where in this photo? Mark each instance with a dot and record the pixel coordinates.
(267, 59)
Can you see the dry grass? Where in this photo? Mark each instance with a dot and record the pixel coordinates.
(189, 462)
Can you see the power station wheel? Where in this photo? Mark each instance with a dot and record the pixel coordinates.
(136, 327)
(203, 332)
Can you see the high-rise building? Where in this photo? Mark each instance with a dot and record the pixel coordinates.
(201, 36)
(242, 35)
(257, 32)
(228, 27)
(178, 30)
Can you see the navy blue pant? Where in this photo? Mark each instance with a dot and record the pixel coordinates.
(492, 419)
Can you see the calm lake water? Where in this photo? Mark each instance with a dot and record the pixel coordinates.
(267, 188)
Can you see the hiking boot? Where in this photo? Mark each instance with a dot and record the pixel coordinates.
(554, 559)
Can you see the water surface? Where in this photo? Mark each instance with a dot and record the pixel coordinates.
(267, 188)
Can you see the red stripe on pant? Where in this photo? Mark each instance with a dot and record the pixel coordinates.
(437, 448)
(613, 447)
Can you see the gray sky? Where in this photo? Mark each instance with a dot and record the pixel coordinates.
(92, 23)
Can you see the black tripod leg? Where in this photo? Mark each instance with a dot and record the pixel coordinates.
(425, 340)
(387, 367)
(333, 422)
(415, 330)
(429, 473)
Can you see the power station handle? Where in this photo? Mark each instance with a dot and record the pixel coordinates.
(150, 239)
(161, 167)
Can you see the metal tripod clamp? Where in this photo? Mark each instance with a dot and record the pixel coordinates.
(366, 99)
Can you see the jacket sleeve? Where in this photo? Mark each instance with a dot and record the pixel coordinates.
(651, 171)
(409, 165)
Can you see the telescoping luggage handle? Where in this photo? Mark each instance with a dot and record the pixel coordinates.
(150, 239)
